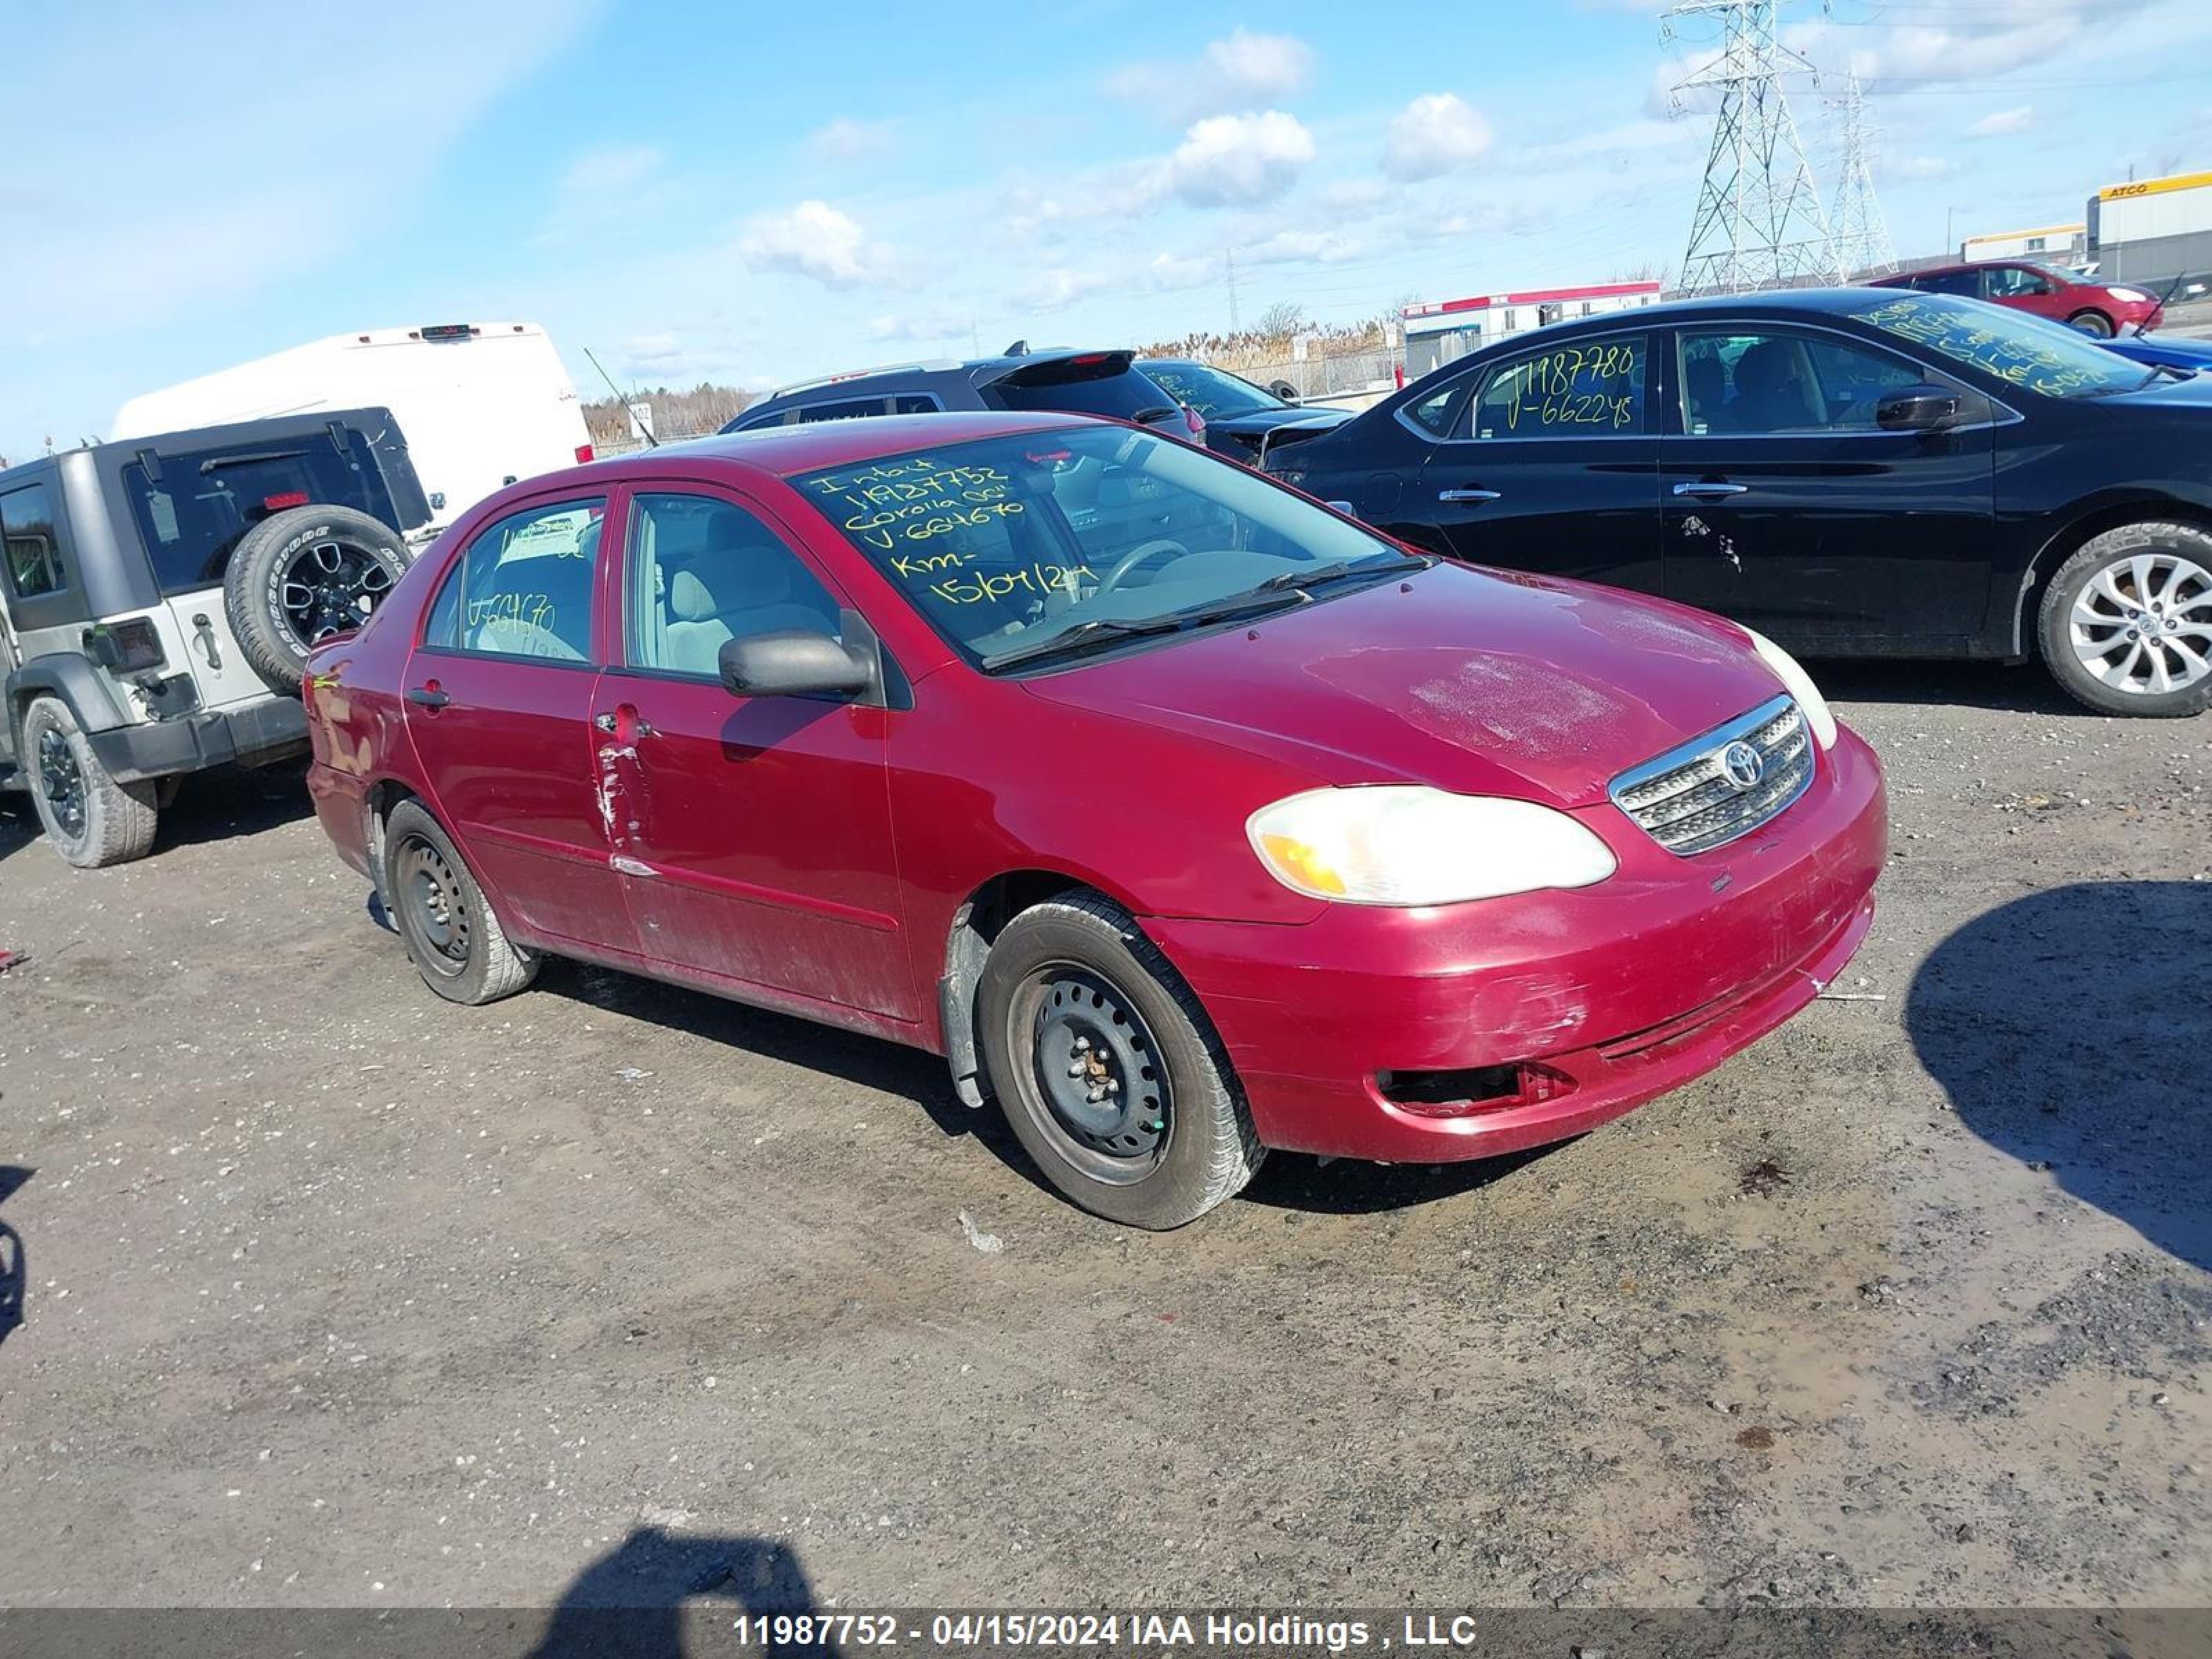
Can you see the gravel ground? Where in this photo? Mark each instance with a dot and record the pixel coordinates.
(337, 1295)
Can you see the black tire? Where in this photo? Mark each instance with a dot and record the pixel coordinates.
(2094, 324)
(1156, 1172)
(302, 575)
(2075, 594)
(452, 936)
(92, 820)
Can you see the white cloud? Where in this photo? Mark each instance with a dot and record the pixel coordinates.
(1437, 133)
(1239, 160)
(610, 167)
(932, 327)
(652, 356)
(1238, 72)
(847, 140)
(1177, 271)
(1922, 166)
(813, 239)
(1292, 247)
(1055, 290)
(2003, 122)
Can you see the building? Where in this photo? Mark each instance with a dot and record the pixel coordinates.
(2152, 230)
(2058, 245)
(1438, 332)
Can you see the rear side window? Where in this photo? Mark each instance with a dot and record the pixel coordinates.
(1585, 389)
(525, 587)
(846, 408)
(193, 507)
(1104, 385)
(1968, 282)
(34, 562)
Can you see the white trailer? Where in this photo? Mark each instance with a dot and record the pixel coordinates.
(481, 405)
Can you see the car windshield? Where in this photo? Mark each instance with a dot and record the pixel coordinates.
(192, 506)
(2027, 351)
(1035, 545)
(1210, 392)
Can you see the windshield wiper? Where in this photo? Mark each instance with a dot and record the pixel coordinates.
(1329, 573)
(1107, 630)
(1097, 630)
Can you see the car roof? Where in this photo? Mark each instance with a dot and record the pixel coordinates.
(975, 370)
(781, 452)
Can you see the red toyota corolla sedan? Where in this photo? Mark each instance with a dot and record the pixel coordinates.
(1183, 816)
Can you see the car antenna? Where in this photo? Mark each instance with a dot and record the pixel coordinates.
(651, 442)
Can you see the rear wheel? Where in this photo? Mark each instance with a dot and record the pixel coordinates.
(2094, 323)
(452, 936)
(92, 820)
(1107, 1069)
(2126, 623)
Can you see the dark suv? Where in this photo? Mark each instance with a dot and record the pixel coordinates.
(158, 597)
(1071, 382)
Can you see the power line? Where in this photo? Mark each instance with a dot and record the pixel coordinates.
(1758, 222)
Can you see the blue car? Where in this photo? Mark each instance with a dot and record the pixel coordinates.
(2164, 351)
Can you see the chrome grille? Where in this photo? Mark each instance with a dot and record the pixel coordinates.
(1686, 800)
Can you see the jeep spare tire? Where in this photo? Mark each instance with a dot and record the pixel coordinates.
(302, 575)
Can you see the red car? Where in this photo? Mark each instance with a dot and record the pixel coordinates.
(2103, 309)
(1183, 816)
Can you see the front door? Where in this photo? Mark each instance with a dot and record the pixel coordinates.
(499, 706)
(755, 834)
(1789, 508)
(1551, 465)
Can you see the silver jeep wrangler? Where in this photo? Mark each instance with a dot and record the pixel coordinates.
(158, 597)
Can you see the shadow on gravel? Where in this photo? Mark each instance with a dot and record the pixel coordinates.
(18, 823)
(2021, 687)
(1290, 1181)
(14, 1265)
(2070, 1030)
(231, 802)
(642, 1597)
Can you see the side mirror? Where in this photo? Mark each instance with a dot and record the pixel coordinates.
(793, 662)
(1918, 409)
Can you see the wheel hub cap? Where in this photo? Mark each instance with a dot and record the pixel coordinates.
(1098, 1067)
(61, 781)
(431, 893)
(331, 587)
(2143, 625)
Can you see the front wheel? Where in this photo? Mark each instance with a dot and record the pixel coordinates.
(452, 936)
(92, 820)
(2126, 623)
(2094, 324)
(1107, 1069)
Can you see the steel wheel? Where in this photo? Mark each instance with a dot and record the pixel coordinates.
(433, 906)
(2143, 625)
(330, 587)
(1097, 1072)
(61, 781)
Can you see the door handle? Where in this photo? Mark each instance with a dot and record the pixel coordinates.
(1475, 495)
(611, 723)
(427, 697)
(1710, 490)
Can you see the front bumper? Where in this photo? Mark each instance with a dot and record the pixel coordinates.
(1617, 992)
(250, 734)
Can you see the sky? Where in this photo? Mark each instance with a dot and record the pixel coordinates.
(752, 193)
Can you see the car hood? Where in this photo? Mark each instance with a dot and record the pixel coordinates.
(1481, 681)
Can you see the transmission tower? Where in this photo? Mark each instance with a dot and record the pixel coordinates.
(1759, 222)
(1862, 234)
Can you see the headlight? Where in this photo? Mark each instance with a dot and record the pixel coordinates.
(1799, 684)
(2128, 294)
(1407, 844)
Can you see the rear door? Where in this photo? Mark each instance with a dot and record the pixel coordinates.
(1552, 464)
(499, 706)
(754, 834)
(191, 507)
(1789, 508)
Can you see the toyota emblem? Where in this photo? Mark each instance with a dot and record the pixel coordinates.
(1742, 765)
